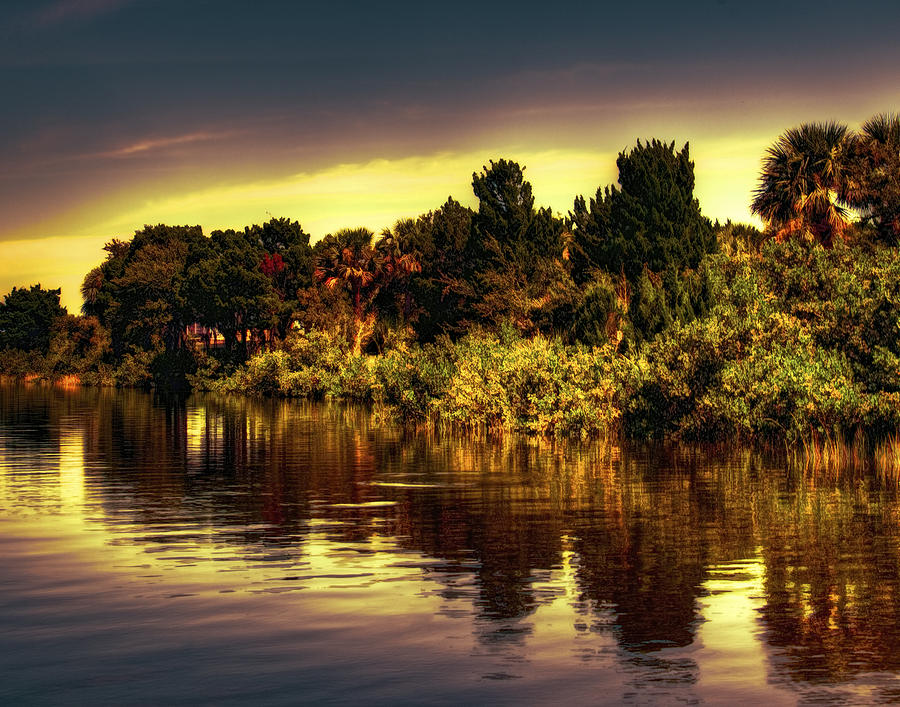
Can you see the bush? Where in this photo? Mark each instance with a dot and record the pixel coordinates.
(537, 385)
(314, 365)
(411, 380)
(134, 370)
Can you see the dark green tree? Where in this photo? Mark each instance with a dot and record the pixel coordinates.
(97, 289)
(227, 289)
(511, 250)
(440, 291)
(287, 260)
(77, 344)
(148, 309)
(27, 316)
(649, 232)
(507, 229)
(652, 219)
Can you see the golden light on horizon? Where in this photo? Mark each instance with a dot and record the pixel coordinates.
(375, 194)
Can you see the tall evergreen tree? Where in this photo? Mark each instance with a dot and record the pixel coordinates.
(511, 250)
(507, 229)
(440, 291)
(652, 219)
(648, 231)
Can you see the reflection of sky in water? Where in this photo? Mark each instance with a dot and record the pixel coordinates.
(298, 546)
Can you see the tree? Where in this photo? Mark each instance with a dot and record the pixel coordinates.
(400, 259)
(648, 234)
(439, 292)
(77, 344)
(873, 179)
(347, 259)
(507, 229)
(228, 290)
(803, 178)
(147, 308)
(286, 259)
(97, 290)
(508, 268)
(27, 316)
(652, 220)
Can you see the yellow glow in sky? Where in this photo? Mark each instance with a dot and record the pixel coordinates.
(374, 194)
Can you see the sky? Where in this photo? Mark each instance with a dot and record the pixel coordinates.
(224, 113)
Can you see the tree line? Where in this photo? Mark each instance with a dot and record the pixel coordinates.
(623, 266)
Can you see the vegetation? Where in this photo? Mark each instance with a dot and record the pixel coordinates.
(634, 314)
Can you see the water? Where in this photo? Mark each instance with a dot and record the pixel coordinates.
(223, 550)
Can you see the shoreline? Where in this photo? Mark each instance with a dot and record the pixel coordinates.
(817, 452)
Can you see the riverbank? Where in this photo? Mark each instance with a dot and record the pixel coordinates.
(800, 344)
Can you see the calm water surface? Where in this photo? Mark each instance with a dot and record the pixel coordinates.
(222, 550)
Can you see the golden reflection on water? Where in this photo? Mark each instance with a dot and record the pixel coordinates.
(649, 574)
(71, 469)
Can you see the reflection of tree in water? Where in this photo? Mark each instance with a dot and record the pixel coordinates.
(832, 582)
(640, 531)
(645, 545)
(30, 417)
(490, 514)
(249, 470)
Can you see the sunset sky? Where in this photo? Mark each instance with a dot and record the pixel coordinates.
(119, 113)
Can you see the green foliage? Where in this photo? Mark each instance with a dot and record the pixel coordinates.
(147, 308)
(737, 238)
(507, 229)
(317, 364)
(510, 254)
(802, 339)
(284, 245)
(874, 176)
(227, 290)
(27, 317)
(650, 233)
(411, 381)
(347, 260)
(19, 364)
(537, 385)
(78, 345)
(652, 220)
(597, 318)
(134, 369)
(440, 290)
(632, 321)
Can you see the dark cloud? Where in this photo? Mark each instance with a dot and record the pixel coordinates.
(69, 10)
(100, 92)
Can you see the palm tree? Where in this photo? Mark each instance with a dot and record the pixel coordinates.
(90, 291)
(399, 254)
(347, 259)
(874, 184)
(802, 182)
(400, 258)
